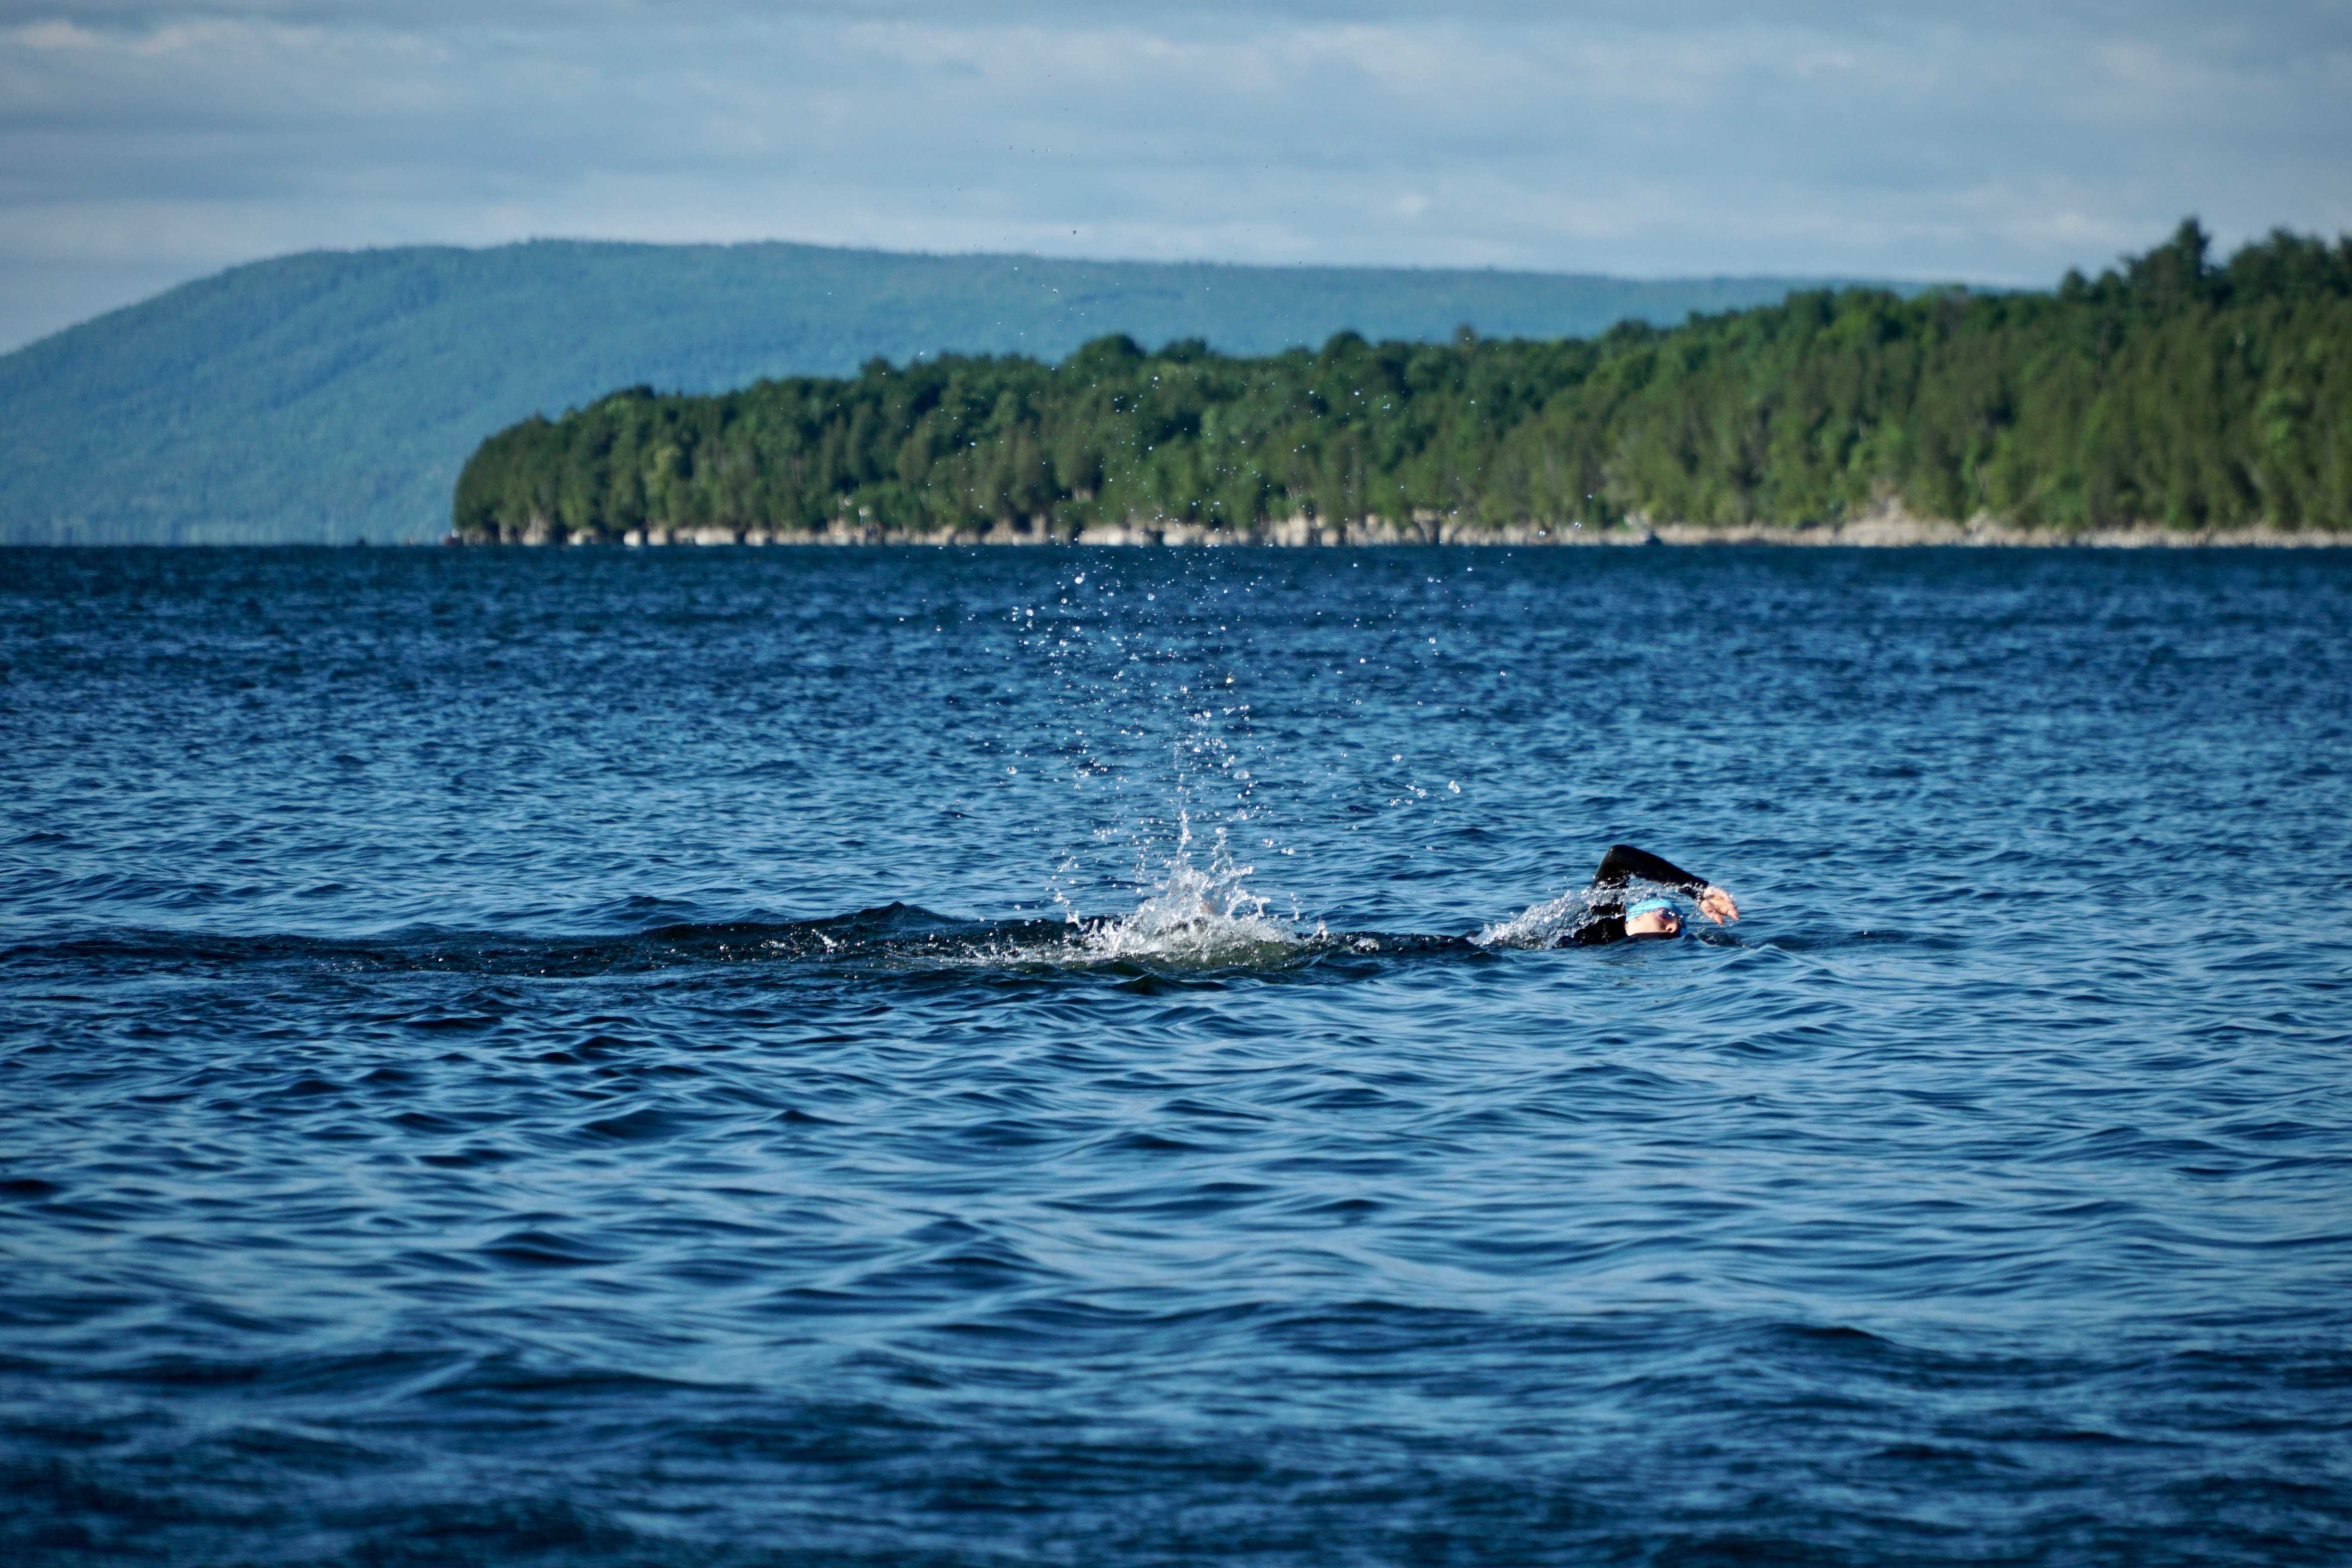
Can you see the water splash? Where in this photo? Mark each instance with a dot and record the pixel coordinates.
(1152, 731)
(1195, 914)
(1540, 925)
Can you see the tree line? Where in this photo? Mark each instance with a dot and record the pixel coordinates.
(2172, 390)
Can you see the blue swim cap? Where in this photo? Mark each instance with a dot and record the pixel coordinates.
(1646, 905)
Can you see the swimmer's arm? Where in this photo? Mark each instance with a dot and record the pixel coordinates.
(1623, 863)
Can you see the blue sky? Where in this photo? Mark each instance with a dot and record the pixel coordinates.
(146, 143)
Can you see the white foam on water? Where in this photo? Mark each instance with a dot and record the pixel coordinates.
(1539, 925)
(1194, 915)
(1202, 916)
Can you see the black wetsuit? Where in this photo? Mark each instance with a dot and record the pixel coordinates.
(1622, 865)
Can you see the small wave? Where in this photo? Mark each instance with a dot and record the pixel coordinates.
(1189, 922)
(1194, 921)
(1195, 917)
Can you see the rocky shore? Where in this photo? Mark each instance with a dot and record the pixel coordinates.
(1890, 526)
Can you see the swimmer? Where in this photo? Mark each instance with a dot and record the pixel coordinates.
(1612, 920)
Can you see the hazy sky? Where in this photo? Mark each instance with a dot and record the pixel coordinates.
(145, 144)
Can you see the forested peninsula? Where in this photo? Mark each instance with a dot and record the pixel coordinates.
(2171, 393)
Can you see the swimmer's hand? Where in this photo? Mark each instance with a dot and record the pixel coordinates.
(1717, 906)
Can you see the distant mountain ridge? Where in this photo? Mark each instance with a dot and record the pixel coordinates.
(333, 396)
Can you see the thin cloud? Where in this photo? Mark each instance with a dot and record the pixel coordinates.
(144, 142)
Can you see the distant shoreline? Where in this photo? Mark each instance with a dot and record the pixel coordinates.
(2173, 401)
(1885, 530)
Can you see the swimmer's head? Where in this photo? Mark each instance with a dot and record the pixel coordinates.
(1654, 917)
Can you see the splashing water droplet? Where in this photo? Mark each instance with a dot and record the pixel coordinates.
(1194, 915)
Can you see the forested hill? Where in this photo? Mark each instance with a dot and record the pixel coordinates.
(2172, 391)
(334, 395)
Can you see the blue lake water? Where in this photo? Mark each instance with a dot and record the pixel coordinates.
(927, 1057)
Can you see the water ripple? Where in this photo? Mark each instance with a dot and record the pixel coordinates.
(516, 1056)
